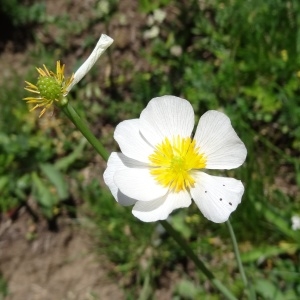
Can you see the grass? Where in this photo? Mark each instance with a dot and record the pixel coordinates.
(235, 57)
(3, 287)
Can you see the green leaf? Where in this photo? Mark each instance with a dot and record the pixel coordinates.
(187, 289)
(3, 182)
(57, 179)
(277, 220)
(179, 224)
(64, 163)
(42, 193)
(264, 252)
(268, 290)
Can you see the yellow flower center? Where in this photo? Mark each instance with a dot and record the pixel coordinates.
(173, 163)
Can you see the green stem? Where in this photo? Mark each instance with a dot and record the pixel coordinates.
(83, 128)
(239, 261)
(200, 265)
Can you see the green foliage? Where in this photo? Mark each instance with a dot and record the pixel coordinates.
(186, 290)
(241, 57)
(21, 14)
(3, 287)
(147, 6)
(232, 56)
(27, 154)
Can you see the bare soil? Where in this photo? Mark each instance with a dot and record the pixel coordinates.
(64, 265)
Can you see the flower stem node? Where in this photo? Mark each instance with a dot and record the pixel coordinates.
(63, 102)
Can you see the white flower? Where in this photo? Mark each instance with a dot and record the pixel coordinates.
(159, 169)
(295, 222)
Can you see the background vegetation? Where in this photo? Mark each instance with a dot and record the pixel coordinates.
(241, 57)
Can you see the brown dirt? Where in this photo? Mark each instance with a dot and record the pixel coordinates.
(39, 264)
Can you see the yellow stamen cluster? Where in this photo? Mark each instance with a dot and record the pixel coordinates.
(173, 163)
(50, 88)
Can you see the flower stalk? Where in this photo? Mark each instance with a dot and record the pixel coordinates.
(251, 293)
(72, 114)
(199, 264)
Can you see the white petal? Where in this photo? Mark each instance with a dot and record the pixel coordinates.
(131, 142)
(166, 116)
(139, 184)
(104, 42)
(118, 161)
(161, 208)
(219, 142)
(217, 197)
